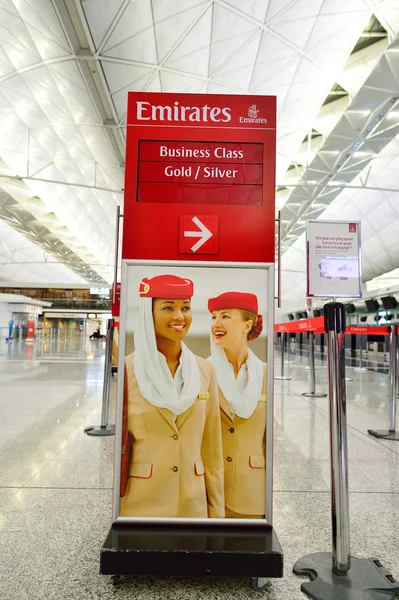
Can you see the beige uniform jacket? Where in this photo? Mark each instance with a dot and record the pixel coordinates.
(177, 466)
(115, 347)
(244, 452)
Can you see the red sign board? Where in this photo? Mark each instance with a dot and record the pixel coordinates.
(116, 306)
(190, 154)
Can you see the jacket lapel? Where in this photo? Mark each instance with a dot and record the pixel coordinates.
(181, 418)
(168, 416)
(224, 405)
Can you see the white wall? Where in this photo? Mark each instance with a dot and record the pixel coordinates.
(5, 316)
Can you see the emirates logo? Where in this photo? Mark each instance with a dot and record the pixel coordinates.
(252, 111)
(253, 116)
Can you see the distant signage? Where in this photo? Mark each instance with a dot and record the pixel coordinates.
(96, 291)
(65, 315)
(333, 259)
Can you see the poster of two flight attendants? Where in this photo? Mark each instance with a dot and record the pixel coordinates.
(194, 428)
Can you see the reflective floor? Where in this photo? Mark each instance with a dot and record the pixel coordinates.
(55, 481)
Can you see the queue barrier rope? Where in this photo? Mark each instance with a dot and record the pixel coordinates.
(316, 325)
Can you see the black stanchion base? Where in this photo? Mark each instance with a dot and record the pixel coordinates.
(314, 395)
(100, 430)
(192, 550)
(367, 579)
(114, 370)
(384, 434)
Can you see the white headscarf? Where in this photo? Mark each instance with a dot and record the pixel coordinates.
(152, 373)
(243, 403)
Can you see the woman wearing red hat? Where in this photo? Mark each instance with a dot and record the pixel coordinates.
(242, 396)
(172, 412)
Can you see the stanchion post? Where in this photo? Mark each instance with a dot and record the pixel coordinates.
(360, 368)
(397, 369)
(337, 574)
(334, 316)
(392, 379)
(104, 428)
(282, 376)
(390, 433)
(312, 374)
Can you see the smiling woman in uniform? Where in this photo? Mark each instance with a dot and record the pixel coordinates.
(241, 378)
(171, 413)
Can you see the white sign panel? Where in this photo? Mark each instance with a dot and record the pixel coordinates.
(333, 259)
(65, 315)
(97, 291)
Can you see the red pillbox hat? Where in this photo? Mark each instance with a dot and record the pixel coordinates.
(241, 300)
(166, 286)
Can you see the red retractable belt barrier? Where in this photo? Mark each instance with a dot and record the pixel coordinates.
(373, 330)
(317, 326)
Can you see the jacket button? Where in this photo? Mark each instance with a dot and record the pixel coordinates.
(232, 430)
(175, 469)
(175, 436)
(229, 459)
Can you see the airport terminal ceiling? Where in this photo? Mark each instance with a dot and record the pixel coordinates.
(66, 67)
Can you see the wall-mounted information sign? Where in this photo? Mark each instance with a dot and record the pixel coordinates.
(333, 259)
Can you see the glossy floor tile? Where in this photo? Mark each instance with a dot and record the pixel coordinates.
(55, 481)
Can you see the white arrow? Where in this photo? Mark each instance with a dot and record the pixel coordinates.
(204, 234)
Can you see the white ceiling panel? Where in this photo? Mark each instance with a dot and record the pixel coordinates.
(176, 82)
(121, 77)
(101, 14)
(66, 69)
(387, 11)
(135, 18)
(273, 58)
(192, 54)
(140, 47)
(24, 262)
(238, 71)
(252, 8)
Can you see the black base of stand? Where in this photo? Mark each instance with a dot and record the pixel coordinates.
(384, 434)
(193, 550)
(100, 430)
(367, 579)
(114, 370)
(314, 395)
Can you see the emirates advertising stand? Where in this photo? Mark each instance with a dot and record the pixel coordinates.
(193, 483)
(334, 270)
